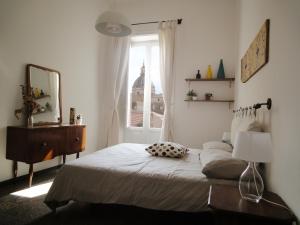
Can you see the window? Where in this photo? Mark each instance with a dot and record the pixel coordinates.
(145, 99)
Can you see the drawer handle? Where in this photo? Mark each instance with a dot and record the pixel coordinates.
(77, 139)
(44, 145)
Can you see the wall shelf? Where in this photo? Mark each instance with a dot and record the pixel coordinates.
(230, 80)
(41, 112)
(41, 97)
(213, 100)
(203, 100)
(194, 79)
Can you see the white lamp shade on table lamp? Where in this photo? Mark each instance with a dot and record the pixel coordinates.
(113, 23)
(253, 147)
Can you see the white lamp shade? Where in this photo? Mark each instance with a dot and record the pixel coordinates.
(253, 146)
(113, 23)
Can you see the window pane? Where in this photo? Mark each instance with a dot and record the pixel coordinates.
(136, 85)
(157, 102)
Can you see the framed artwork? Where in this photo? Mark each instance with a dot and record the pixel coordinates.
(257, 54)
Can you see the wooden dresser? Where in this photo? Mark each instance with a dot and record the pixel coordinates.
(37, 144)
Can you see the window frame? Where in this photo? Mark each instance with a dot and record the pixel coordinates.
(147, 88)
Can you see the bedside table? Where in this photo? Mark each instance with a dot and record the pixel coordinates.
(229, 208)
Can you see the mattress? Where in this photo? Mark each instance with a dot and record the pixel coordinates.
(128, 175)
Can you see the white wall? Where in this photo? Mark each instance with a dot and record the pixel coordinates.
(207, 34)
(280, 80)
(58, 34)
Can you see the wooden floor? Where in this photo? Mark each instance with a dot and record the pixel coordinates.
(16, 210)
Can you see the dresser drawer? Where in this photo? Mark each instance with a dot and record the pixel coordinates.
(76, 139)
(31, 145)
(45, 144)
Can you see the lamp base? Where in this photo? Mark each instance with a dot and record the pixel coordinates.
(251, 185)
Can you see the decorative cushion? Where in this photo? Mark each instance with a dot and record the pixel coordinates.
(220, 164)
(167, 149)
(217, 145)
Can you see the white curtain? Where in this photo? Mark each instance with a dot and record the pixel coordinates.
(167, 46)
(116, 70)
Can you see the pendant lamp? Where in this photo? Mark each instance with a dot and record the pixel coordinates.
(113, 24)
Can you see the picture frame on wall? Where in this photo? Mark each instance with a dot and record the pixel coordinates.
(257, 54)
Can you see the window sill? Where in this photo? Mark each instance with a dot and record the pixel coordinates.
(155, 130)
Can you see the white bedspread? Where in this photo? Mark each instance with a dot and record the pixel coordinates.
(127, 174)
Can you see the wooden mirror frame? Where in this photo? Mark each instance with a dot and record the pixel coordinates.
(29, 93)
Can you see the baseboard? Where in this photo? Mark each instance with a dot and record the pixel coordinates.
(25, 177)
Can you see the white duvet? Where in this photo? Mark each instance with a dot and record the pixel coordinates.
(127, 174)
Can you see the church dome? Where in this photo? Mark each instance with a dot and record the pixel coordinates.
(140, 81)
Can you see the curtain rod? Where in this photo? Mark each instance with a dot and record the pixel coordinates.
(179, 21)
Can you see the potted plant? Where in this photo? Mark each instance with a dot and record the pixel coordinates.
(30, 106)
(191, 95)
(208, 96)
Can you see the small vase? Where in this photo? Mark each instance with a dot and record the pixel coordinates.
(221, 72)
(209, 73)
(208, 96)
(198, 75)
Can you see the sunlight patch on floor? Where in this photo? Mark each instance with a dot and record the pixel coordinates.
(34, 191)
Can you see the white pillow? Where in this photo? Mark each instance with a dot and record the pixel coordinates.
(220, 164)
(234, 127)
(217, 145)
(167, 149)
(243, 124)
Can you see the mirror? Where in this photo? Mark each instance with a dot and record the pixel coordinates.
(44, 88)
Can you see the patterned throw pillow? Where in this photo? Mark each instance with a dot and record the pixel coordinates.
(167, 149)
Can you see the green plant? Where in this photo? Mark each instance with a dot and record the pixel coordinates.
(29, 105)
(191, 93)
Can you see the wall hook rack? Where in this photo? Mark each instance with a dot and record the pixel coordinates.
(255, 106)
(268, 104)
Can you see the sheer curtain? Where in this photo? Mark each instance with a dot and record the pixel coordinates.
(166, 48)
(115, 73)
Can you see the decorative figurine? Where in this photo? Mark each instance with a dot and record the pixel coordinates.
(42, 92)
(209, 73)
(79, 119)
(198, 75)
(221, 72)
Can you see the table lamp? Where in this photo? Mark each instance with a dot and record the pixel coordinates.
(254, 147)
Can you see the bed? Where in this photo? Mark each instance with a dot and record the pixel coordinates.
(126, 174)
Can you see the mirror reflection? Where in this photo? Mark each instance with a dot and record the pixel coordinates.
(45, 86)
